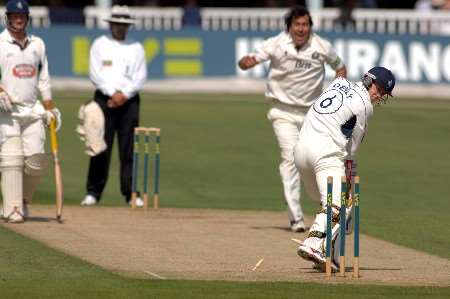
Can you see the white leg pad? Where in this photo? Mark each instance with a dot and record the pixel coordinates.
(336, 244)
(335, 254)
(319, 228)
(11, 166)
(12, 191)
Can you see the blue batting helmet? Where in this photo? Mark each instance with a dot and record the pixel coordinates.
(17, 6)
(383, 77)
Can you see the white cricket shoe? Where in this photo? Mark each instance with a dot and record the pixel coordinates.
(311, 254)
(15, 217)
(321, 267)
(318, 267)
(139, 202)
(298, 226)
(89, 200)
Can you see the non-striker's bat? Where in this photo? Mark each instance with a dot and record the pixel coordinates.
(57, 168)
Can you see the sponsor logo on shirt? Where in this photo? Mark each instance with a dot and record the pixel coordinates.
(107, 62)
(303, 64)
(24, 71)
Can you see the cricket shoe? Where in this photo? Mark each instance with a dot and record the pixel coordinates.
(310, 254)
(139, 202)
(298, 226)
(321, 267)
(318, 267)
(89, 200)
(14, 217)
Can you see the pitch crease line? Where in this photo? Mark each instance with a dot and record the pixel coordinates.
(154, 275)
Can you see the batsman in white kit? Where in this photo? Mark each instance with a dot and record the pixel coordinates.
(23, 118)
(331, 134)
(297, 70)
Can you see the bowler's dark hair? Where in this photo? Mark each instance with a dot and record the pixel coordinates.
(296, 11)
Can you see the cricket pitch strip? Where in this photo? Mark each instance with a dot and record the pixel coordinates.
(214, 245)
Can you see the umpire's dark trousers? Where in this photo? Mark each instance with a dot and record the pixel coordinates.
(122, 120)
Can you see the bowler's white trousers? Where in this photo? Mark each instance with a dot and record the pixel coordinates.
(287, 121)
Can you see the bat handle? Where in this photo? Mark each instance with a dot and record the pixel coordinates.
(53, 139)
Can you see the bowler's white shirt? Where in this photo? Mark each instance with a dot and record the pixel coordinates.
(338, 103)
(296, 76)
(24, 71)
(117, 66)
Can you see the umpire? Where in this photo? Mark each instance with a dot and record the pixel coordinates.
(118, 70)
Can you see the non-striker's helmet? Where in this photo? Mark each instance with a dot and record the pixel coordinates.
(17, 6)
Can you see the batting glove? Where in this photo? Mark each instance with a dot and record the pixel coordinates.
(5, 103)
(350, 168)
(54, 114)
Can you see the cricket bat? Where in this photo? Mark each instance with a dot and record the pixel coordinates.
(57, 170)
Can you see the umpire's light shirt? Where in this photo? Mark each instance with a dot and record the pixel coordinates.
(117, 66)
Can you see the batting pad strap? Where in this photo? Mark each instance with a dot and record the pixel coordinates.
(8, 161)
(11, 155)
(316, 234)
(334, 207)
(35, 165)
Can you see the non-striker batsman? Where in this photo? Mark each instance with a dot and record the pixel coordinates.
(23, 118)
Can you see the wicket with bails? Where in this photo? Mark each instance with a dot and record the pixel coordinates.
(346, 200)
(148, 133)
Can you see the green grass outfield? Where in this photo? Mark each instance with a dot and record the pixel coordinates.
(219, 151)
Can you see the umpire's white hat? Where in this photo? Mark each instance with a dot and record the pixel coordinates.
(120, 14)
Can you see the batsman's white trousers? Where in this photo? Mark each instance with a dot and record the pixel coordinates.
(317, 160)
(287, 121)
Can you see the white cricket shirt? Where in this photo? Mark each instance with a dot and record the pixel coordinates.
(24, 71)
(296, 77)
(341, 113)
(117, 66)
